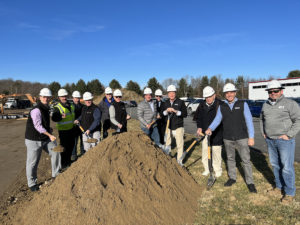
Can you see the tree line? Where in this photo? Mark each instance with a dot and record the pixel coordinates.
(186, 86)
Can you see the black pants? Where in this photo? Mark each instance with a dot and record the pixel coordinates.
(106, 126)
(161, 126)
(67, 141)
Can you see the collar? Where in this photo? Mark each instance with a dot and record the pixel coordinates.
(234, 101)
(277, 100)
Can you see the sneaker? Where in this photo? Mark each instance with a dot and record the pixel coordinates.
(218, 174)
(205, 173)
(252, 188)
(274, 192)
(167, 150)
(34, 188)
(287, 199)
(229, 182)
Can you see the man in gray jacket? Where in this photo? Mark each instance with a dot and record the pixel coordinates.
(279, 123)
(147, 115)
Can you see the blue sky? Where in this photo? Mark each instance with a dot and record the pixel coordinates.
(65, 40)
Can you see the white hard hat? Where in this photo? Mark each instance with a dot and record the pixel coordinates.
(229, 87)
(158, 92)
(147, 91)
(208, 91)
(62, 92)
(87, 96)
(108, 90)
(45, 92)
(76, 94)
(171, 88)
(117, 92)
(274, 84)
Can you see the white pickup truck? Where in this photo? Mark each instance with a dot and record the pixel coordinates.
(193, 106)
(11, 103)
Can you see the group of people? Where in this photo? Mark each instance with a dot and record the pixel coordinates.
(228, 123)
(74, 120)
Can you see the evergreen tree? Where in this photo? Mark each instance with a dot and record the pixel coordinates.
(133, 86)
(153, 84)
(54, 87)
(95, 87)
(114, 84)
(81, 86)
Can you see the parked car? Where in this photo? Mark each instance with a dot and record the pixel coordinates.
(255, 107)
(193, 106)
(130, 103)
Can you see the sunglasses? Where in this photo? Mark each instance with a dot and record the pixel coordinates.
(157, 96)
(118, 96)
(273, 91)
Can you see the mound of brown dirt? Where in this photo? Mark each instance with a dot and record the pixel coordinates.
(127, 95)
(123, 180)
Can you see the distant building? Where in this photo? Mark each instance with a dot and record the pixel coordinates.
(257, 90)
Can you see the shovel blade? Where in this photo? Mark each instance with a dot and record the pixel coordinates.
(92, 140)
(58, 148)
(210, 182)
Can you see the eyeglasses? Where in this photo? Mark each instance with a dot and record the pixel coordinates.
(273, 91)
(158, 96)
(118, 96)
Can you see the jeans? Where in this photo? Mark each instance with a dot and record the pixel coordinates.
(281, 154)
(153, 134)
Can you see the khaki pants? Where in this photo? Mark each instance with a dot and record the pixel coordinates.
(178, 134)
(216, 156)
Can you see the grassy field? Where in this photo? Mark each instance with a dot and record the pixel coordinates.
(235, 204)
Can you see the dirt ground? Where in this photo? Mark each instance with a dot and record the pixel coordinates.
(123, 180)
(12, 151)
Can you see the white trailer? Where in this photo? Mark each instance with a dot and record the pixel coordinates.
(257, 90)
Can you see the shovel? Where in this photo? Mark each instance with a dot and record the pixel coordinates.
(166, 135)
(211, 179)
(89, 139)
(58, 148)
(199, 139)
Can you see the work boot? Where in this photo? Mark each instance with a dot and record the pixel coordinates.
(252, 188)
(229, 182)
(34, 188)
(274, 192)
(287, 199)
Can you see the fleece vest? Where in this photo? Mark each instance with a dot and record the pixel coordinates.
(87, 117)
(31, 133)
(234, 124)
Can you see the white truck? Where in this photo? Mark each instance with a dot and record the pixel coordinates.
(193, 106)
(11, 103)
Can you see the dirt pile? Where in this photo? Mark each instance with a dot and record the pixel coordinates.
(123, 180)
(127, 95)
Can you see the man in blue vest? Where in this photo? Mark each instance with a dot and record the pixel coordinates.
(64, 116)
(238, 133)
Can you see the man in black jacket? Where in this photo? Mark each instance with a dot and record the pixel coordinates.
(206, 112)
(161, 125)
(104, 108)
(175, 110)
(90, 120)
(77, 132)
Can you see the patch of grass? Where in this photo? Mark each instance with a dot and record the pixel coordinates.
(235, 204)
